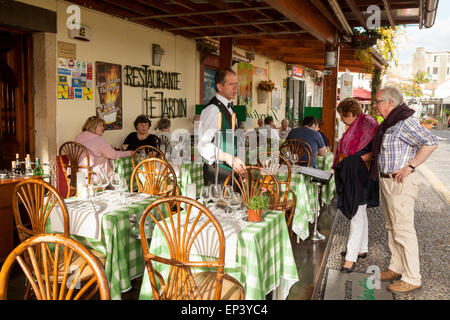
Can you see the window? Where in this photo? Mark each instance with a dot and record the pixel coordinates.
(436, 58)
(435, 70)
(428, 70)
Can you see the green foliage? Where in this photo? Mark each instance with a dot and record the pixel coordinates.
(258, 202)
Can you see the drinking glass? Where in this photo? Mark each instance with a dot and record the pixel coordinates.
(216, 193)
(227, 196)
(236, 201)
(294, 158)
(287, 155)
(205, 195)
(96, 183)
(122, 187)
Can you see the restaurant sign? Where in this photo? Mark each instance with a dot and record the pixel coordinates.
(156, 104)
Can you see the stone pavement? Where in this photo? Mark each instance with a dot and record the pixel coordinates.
(437, 167)
(432, 223)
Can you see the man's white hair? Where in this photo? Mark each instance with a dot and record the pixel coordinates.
(394, 94)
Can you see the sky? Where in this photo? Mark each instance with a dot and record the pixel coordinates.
(436, 38)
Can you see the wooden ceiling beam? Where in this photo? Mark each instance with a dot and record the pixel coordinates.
(388, 10)
(200, 13)
(308, 17)
(215, 26)
(192, 20)
(281, 43)
(327, 14)
(357, 13)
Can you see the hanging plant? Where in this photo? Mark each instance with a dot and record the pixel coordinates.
(386, 46)
(266, 85)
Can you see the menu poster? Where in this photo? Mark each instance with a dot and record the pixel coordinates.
(108, 83)
(70, 79)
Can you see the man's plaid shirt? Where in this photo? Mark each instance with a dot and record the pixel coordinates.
(401, 143)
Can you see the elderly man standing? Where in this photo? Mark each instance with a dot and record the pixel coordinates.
(400, 145)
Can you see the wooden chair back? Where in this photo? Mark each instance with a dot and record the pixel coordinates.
(39, 200)
(254, 181)
(272, 161)
(181, 283)
(146, 152)
(299, 147)
(77, 154)
(49, 279)
(164, 144)
(155, 176)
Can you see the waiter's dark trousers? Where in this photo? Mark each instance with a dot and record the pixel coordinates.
(209, 174)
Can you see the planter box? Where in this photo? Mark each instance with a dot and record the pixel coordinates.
(427, 125)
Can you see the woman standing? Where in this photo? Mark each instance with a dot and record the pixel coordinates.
(352, 177)
(142, 137)
(100, 152)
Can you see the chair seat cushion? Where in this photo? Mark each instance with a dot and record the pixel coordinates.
(231, 288)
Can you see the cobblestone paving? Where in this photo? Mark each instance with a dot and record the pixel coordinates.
(432, 227)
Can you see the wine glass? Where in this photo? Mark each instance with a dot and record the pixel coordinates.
(294, 158)
(96, 182)
(122, 187)
(103, 180)
(287, 155)
(216, 193)
(236, 201)
(226, 196)
(205, 195)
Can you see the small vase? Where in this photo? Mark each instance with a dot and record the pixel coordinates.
(254, 215)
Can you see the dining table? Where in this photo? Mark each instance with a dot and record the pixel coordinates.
(189, 174)
(257, 254)
(107, 224)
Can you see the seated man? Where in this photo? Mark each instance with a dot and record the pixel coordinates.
(308, 134)
(285, 129)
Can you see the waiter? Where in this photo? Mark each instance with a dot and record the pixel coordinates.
(226, 84)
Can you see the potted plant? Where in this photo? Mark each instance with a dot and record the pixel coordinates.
(428, 123)
(263, 88)
(255, 205)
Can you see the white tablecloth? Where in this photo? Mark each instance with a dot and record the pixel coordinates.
(85, 216)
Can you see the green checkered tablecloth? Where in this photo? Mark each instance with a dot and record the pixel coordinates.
(124, 260)
(264, 258)
(191, 173)
(305, 191)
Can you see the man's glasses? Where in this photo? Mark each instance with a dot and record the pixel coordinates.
(378, 101)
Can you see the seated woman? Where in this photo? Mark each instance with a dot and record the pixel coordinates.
(100, 152)
(141, 137)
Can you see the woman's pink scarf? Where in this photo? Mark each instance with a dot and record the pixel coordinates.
(357, 136)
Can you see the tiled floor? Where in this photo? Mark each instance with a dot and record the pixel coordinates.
(308, 256)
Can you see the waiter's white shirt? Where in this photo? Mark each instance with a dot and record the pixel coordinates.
(208, 128)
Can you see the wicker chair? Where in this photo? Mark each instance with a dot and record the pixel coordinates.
(40, 199)
(182, 282)
(50, 274)
(272, 161)
(76, 154)
(146, 152)
(155, 177)
(299, 147)
(252, 182)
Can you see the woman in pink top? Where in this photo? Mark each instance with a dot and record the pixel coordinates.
(100, 152)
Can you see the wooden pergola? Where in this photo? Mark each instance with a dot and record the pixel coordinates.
(297, 32)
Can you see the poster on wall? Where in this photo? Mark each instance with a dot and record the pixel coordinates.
(245, 81)
(209, 85)
(108, 83)
(71, 79)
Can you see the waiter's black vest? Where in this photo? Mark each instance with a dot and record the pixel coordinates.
(226, 125)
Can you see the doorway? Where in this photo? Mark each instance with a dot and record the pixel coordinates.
(295, 101)
(16, 101)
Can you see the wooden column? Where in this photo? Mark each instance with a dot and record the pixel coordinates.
(329, 101)
(226, 52)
